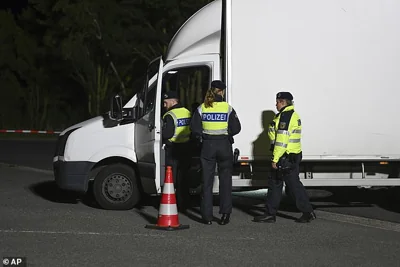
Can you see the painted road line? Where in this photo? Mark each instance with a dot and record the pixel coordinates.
(77, 233)
(344, 218)
(213, 237)
(8, 165)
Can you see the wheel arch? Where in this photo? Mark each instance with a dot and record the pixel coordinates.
(116, 160)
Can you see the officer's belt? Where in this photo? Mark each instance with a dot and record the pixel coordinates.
(214, 137)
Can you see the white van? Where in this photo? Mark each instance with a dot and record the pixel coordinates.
(340, 59)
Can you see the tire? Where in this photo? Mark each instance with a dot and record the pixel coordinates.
(116, 188)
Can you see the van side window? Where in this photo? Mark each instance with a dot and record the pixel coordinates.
(150, 100)
(145, 103)
(147, 97)
(191, 83)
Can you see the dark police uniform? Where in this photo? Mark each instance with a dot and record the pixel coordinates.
(285, 131)
(215, 127)
(176, 137)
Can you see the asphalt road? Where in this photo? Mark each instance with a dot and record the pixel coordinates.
(379, 204)
(31, 153)
(52, 228)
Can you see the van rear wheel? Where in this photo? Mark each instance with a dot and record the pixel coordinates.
(115, 188)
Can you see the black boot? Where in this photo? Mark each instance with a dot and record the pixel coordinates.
(225, 219)
(208, 222)
(306, 217)
(267, 218)
(206, 219)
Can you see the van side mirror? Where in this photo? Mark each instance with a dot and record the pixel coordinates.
(134, 114)
(116, 108)
(130, 114)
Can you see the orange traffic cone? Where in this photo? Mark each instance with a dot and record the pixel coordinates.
(168, 213)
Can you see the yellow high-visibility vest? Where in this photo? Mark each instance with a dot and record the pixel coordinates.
(271, 130)
(181, 117)
(287, 133)
(215, 118)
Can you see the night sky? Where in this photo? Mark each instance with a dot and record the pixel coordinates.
(15, 5)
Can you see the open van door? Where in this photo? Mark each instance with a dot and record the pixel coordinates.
(148, 129)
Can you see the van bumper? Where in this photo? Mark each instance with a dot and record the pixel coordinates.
(72, 175)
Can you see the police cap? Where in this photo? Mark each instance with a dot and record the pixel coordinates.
(218, 84)
(284, 95)
(170, 95)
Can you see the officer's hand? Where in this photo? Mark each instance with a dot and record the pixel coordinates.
(274, 165)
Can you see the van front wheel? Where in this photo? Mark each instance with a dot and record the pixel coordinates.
(115, 188)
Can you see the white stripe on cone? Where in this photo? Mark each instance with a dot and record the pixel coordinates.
(168, 209)
(168, 188)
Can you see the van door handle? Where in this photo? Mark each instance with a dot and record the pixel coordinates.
(151, 127)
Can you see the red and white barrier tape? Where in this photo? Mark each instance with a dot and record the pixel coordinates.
(29, 131)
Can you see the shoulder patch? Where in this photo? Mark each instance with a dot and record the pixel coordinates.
(282, 125)
(299, 122)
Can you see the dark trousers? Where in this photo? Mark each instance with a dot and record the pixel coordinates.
(212, 152)
(179, 158)
(292, 181)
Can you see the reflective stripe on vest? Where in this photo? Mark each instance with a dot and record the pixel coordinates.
(181, 117)
(293, 144)
(215, 118)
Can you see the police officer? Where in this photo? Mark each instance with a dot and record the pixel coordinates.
(215, 123)
(285, 134)
(176, 137)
